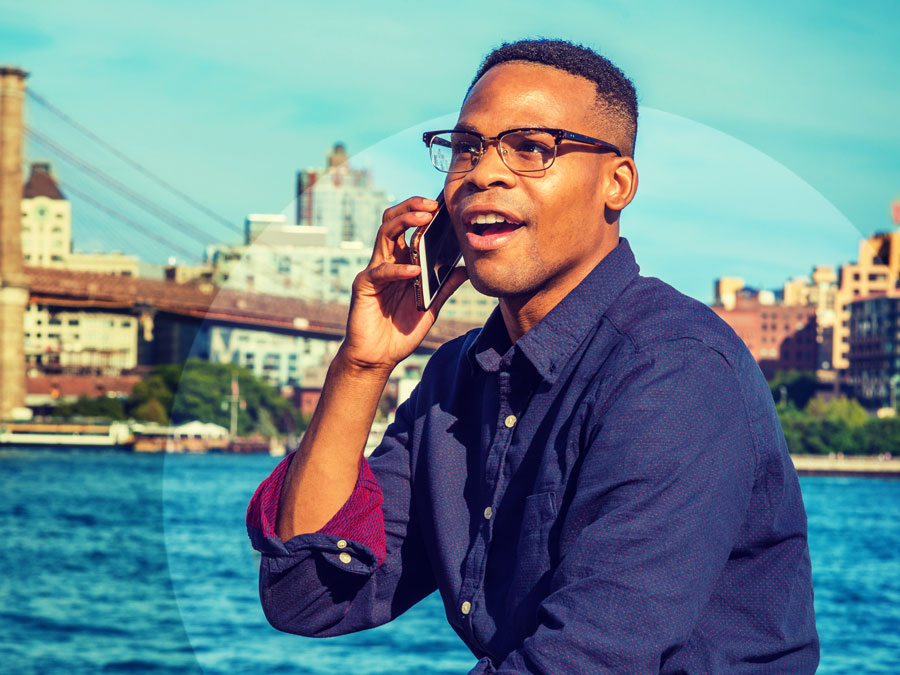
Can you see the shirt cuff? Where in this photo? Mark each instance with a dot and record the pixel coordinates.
(360, 519)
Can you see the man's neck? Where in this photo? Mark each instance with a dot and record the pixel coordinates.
(522, 312)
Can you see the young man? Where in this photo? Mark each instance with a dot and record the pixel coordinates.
(596, 481)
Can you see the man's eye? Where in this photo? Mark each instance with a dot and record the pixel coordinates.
(464, 148)
(530, 146)
(533, 147)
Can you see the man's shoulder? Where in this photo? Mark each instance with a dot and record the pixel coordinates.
(652, 315)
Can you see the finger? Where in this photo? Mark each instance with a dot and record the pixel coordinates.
(390, 234)
(457, 278)
(411, 204)
(386, 273)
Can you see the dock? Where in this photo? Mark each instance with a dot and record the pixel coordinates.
(841, 465)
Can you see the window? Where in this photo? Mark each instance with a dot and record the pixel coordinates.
(73, 322)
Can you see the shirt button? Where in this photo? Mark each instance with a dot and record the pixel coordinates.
(510, 421)
(345, 557)
(466, 607)
(342, 543)
(488, 512)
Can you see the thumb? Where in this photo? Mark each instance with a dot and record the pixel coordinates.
(457, 278)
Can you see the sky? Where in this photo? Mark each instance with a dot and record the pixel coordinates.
(767, 140)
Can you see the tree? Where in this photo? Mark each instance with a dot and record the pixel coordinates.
(204, 387)
(105, 407)
(151, 411)
(841, 409)
(157, 386)
(799, 386)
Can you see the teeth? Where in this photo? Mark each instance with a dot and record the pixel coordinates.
(488, 219)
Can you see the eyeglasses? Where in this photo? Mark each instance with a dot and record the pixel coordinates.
(522, 150)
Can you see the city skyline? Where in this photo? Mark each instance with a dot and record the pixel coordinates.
(232, 113)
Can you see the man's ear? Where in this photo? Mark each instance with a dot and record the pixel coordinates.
(621, 184)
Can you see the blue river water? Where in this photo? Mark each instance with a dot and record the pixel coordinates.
(120, 563)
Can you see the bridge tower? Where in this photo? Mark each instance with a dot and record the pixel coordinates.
(13, 280)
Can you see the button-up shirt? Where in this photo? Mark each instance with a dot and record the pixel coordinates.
(610, 494)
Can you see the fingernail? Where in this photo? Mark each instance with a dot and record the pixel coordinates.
(422, 215)
(430, 202)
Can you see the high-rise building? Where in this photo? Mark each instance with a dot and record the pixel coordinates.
(875, 273)
(873, 355)
(341, 199)
(818, 292)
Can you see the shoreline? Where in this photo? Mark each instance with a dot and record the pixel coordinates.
(855, 466)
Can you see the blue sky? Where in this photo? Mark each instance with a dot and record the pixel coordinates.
(787, 110)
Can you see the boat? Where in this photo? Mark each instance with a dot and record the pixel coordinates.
(111, 435)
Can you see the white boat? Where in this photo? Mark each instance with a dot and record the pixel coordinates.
(114, 434)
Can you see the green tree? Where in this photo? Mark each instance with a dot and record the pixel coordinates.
(204, 393)
(799, 386)
(881, 436)
(104, 407)
(841, 409)
(151, 411)
(156, 386)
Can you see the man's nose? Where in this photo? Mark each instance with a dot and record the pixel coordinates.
(490, 169)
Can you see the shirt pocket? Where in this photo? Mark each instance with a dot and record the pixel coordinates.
(532, 571)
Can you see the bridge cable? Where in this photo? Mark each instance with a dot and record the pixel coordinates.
(163, 214)
(37, 98)
(122, 217)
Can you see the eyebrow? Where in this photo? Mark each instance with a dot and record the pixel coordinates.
(466, 126)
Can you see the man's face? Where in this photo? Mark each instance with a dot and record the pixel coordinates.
(555, 230)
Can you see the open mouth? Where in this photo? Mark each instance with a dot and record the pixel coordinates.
(487, 224)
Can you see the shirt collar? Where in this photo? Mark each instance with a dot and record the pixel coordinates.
(551, 342)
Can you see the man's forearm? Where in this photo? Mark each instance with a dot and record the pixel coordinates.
(324, 471)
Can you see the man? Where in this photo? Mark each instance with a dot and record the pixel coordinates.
(596, 481)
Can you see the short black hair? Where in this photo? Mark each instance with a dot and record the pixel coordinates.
(616, 96)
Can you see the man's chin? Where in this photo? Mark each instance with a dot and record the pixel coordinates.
(497, 283)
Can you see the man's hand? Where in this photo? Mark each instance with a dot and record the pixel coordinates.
(385, 326)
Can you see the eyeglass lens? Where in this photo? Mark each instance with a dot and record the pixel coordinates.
(521, 150)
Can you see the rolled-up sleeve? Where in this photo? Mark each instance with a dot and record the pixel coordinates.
(660, 503)
(360, 519)
(366, 566)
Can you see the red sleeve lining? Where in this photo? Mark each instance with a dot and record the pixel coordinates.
(360, 519)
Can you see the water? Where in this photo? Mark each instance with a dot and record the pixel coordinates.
(121, 563)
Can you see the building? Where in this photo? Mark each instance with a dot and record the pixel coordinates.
(725, 291)
(780, 337)
(68, 340)
(309, 272)
(819, 292)
(341, 199)
(47, 230)
(876, 272)
(873, 354)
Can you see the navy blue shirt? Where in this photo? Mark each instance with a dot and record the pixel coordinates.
(610, 494)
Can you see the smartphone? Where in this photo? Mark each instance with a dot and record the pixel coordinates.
(435, 249)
